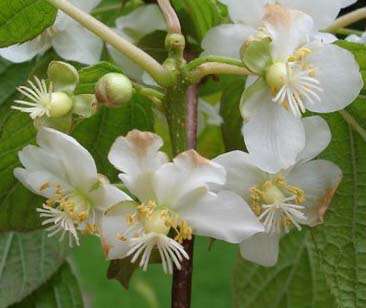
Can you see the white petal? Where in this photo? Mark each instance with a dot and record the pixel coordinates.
(288, 29)
(261, 248)
(324, 12)
(241, 173)
(330, 61)
(274, 137)
(248, 12)
(24, 52)
(78, 164)
(76, 43)
(225, 216)
(254, 96)
(86, 5)
(318, 137)
(115, 223)
(226, 40)
(188, 172)
(137, 155)
(210, 112)
(107, 195)
(142, 21)
(319, 179)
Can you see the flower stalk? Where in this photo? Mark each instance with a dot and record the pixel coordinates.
(170, 16)
(148, 63)
(347, 20)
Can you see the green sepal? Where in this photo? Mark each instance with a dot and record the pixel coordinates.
(63, 124)
(254, 88)
(85, 105)
(63, 76)
(256, 55)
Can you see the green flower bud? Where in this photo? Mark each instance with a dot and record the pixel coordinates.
(114, 90)
(276, 75)
(63, 76)
(59, 105)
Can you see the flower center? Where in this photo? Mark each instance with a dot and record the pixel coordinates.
(278, 204)
(294, 83)
(160, 220)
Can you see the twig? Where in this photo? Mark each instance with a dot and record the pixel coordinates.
(347, 20)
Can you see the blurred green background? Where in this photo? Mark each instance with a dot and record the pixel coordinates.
(151, 289)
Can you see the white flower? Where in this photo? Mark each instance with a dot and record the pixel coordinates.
(62, 171)
(133, 27)
(208, 115)
(301, 75)
(247, 16)
(360, 39)
(285, 200)
(173, 202)
(69, 39)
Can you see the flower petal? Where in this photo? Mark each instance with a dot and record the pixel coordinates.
(274, 137)
(339, 92)
(319, 179)
(261, 248)
(289, 29)
(324, 12)
(186, 173)
(248, 12)
(142, 21)
(241, 173)
(224, 216)
(24, 52)
(76, 43)
(318, 137)
(226, 40)
(137, 155)
(107, 195)
(113, 224)
(78, 165)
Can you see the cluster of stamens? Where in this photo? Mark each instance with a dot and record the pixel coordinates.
(66, 212)
(278, 205)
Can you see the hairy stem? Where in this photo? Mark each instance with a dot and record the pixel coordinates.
(347, 20)
(353, 123)
(170, 16)
(214, 68)
(148, 63)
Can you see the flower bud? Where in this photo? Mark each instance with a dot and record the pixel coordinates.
(114, 90)
(59, 105)
(276, 75)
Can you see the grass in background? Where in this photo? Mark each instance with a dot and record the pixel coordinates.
(151, 289)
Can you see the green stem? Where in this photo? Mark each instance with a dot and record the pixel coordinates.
(193, 64)
(345, 31)
(213, 68)
(353, 123)
(347, 20)
(148, 63)
(107, 8)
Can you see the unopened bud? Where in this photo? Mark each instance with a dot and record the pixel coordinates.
(59, 105)
(114, 90)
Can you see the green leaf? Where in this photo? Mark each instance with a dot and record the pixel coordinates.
(90, 75)
(198, 16)
(62, 290)
(231, 128)
(296, 281)
(22, 20)
(27, 260)
(341, 240)
(17, 204)
(99, 132)
(154, 44)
